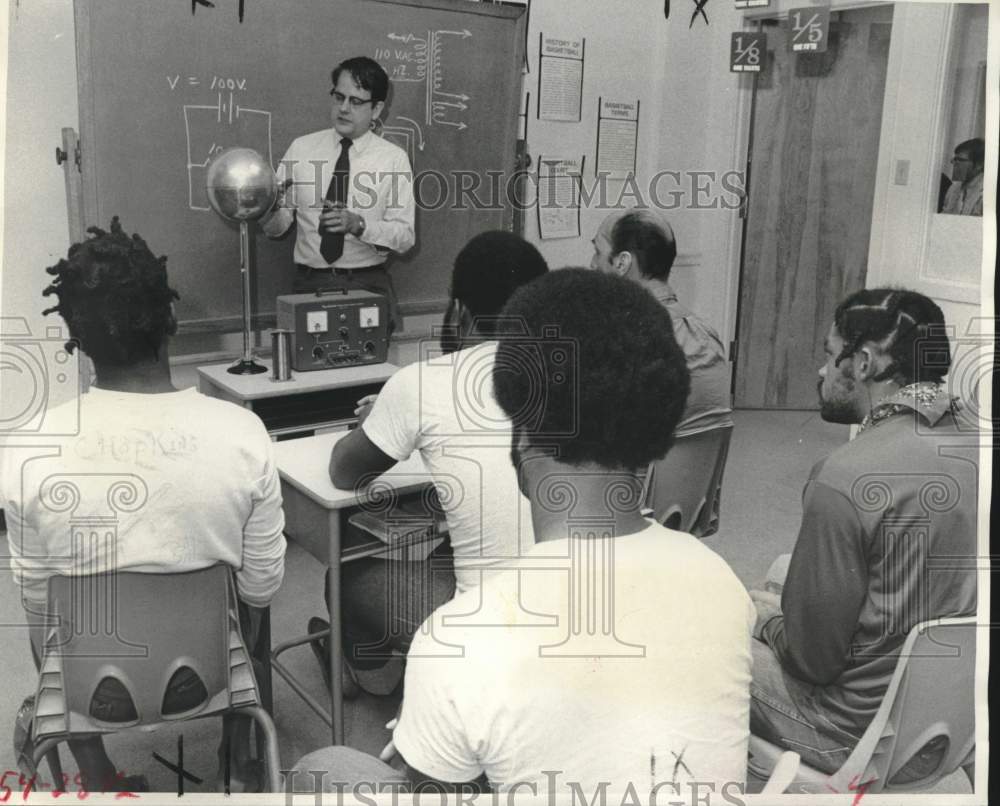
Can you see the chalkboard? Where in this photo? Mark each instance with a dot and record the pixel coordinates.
(165, 84)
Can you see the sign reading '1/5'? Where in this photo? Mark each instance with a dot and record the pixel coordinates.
(747, 51)
(809, 29)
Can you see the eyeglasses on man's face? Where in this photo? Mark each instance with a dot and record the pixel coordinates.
(957, 158)
(353, 100)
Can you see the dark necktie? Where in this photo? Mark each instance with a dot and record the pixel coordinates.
(331, 245)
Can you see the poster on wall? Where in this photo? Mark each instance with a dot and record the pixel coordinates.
(746, 51)
(617, 138)
(560, 78)
(810, 29)
(558, 200)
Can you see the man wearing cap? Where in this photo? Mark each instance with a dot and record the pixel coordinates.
(639, 245)
(348, 192)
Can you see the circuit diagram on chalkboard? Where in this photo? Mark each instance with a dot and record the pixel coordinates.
(213, 127)
(430, 65)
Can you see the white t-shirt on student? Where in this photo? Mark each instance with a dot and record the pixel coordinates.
(444, 408)
(647, 687)
(151, 483)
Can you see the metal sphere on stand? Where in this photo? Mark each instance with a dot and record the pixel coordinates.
(242, 187)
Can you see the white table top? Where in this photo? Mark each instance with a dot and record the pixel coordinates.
(305, 463)
(257, 387)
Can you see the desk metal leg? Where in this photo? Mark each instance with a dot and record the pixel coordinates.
(336, 631)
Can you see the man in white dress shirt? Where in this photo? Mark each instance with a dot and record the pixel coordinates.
(348, 192)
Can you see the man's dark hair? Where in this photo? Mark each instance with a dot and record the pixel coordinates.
(114, 297)
(490, 267)
(974, 149)
(906, 325)
(645, 238)
(600, 375)
(367, 74)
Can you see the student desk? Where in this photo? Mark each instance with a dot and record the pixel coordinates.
(322, 398)
(314, 509)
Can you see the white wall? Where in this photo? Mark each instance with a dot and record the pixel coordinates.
(700, 130)
(624, 60)
(40, 101)
(687, 95)
(40, 96)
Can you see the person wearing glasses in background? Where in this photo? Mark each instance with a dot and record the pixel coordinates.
(348, 192)
(965, 195)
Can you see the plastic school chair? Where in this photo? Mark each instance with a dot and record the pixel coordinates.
(924, 729)
(127, 650)
(683, 490)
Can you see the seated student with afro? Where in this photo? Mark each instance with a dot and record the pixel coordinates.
(620, 659)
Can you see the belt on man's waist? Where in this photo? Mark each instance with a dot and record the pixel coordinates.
(333, 270)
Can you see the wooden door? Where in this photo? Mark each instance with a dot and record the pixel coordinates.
(812, 161)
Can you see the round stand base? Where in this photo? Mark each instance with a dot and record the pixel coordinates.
(246, 367)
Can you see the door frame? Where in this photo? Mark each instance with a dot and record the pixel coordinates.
(742, 122)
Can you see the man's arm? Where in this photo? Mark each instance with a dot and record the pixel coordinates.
(424, 783)
(263, 542)
(824, 591)
(431, 736)
(395, 228)
(356, 459)
(418, 781)
(28, 557)
(388, 432)
(279, 219)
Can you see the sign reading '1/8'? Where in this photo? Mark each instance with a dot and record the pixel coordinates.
(746, 52)
(809, 29)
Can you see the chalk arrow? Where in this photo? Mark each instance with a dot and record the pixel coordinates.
(401, 38)
(458, 126)
(420, 132)
(452, 95)
(459, 105)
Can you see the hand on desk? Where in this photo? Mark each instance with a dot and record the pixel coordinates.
(337, 218)
(364, 407)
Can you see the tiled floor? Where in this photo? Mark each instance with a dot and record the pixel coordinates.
(769, 460)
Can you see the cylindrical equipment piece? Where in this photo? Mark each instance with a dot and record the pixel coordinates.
(281, 355)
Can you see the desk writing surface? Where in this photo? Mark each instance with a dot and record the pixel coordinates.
(304, 464)
(260, 386)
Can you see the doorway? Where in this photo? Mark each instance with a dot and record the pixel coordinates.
(811, 163)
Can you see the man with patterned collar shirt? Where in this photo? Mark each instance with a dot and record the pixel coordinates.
(880, 514)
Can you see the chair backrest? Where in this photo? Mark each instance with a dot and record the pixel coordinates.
(683, 489)
(926, 723)
(151, 647)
